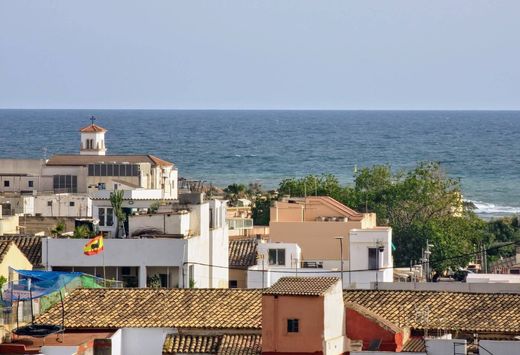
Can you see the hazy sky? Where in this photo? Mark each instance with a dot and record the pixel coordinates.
(246, 54)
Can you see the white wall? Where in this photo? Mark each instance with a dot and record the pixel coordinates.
(451, 287)
(433, 347)
(149, 341)
(61, 205)
(58, 350)
(334, 321)
(168, 223)
(292, 254)
(117, 342)
(493, 278)
(500, 347)
(118, 252)
(219, 257)
(446, 346)
(360, 241)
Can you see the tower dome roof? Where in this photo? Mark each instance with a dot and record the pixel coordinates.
(92, 128)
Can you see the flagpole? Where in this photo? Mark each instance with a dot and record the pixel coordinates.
(104, 270)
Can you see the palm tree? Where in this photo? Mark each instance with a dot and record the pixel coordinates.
(234, 192)
(116, 199)
(81, 232)
(59, 229)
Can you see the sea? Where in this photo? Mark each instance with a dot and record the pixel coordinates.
(481, 148)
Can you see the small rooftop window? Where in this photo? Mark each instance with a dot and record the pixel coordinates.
(293, 325)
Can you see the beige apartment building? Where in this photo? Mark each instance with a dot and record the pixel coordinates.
(315, 223)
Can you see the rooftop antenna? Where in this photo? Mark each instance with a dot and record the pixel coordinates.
(92, 118)
(44, 149)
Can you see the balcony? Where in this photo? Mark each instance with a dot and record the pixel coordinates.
(137, 194)
(240, 223)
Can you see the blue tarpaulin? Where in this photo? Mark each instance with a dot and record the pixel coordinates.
(35, 284)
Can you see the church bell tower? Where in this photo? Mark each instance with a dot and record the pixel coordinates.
(92, 139)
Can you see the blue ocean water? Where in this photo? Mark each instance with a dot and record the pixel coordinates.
(479, 147)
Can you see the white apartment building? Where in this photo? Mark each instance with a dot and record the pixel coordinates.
(370, 261)
(184, 244)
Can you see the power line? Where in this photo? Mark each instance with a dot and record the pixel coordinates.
(349, 271)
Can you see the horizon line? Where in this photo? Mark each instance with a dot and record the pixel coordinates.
(267, 109)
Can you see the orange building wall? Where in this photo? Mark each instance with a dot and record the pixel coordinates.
(276, 311)
(316, 239)
(361, 328)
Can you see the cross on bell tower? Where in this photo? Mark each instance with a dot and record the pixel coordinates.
(92, 139)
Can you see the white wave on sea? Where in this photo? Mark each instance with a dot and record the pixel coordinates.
(485, 208)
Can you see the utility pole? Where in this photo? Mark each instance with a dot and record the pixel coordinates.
(426, 260)
(341, 258)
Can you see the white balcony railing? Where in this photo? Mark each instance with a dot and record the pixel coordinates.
(239, 223)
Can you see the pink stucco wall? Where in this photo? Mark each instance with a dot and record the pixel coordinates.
(275, 312)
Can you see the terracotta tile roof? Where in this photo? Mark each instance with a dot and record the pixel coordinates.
(189, 344)
(92, 128)
(414, 345)
(159, 308)
(241, 344)
(335, 204)
(158, 161)
(227, 344)
(302, 286)
(457, 311)
(242, 253)
(365, 312)
(84, 160)
(31, 246)
(4, 249)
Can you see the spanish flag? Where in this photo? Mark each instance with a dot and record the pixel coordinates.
(94, 246)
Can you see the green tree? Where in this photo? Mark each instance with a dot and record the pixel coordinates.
(3, 280)
(320, 185)
(116, 200)
(261, 211)
(420, 204)
(234, 192)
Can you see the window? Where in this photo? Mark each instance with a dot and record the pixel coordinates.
(276, 256)
(101, 216)
(49, 203)
(65, 183)
(211, 225)
(90, 144)
(72, 204)
(106, 217)
(373, 258)
(6, 183)
(113, 170)
(233, 284)
(293, 325)
(110, 216)
(30, 183)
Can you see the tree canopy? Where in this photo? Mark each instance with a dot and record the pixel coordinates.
(421, 204)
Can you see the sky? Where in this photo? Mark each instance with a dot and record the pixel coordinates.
(265, 54)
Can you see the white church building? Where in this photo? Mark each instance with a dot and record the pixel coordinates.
(91, 173)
